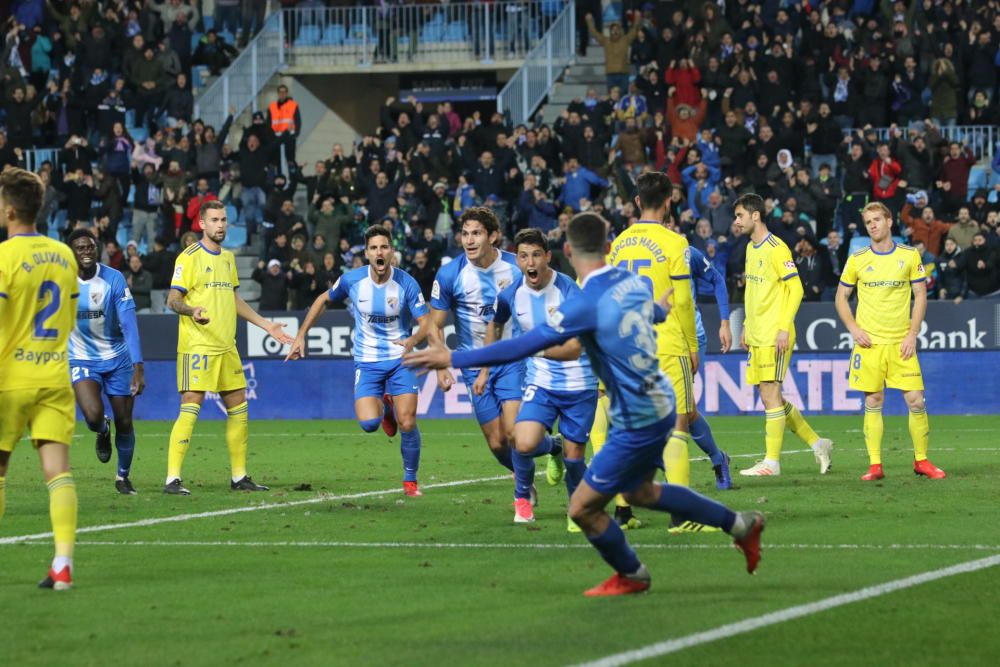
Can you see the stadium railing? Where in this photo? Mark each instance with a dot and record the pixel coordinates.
(418, 33)
(241, 82)
(542, 66)
(982, 139)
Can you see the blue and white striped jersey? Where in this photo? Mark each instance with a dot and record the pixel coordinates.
(613, 317)
(534, 308)
(471, 293)
(382, 313)
(105, 301)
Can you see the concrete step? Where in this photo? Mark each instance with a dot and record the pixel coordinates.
(587, 72)
(569, 91)
(249, 290)
(245, 264)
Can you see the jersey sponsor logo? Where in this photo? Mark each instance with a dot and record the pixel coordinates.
(89, 314)
(870, 269)
(486, 311)
(382, 319)
(885, 283)
(208, 269)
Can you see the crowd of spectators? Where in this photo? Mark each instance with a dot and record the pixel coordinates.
(818, 106)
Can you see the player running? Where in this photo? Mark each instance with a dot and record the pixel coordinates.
(385, 301)
(203, 293)
(613, 318)
(661, 258)
(773, 295)
(468, 286)
(558, 385)
(105, 355)
(37, 308)
(885, 335)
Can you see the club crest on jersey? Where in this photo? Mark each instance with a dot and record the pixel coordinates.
(95, 297)
(502, 284)
(760, 263)
(901, 264)
(392, 302)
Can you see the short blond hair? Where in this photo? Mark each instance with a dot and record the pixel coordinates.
(879, 207)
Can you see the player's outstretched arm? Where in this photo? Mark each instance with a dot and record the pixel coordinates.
(843, 306)
(504, 352)
(274, 329)
(317, 308)
(435, 336)
(176, 303)
(571, 350)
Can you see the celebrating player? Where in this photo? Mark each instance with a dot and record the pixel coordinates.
(613, 319)
(385, 301)
(885, 335)
(660, 257)
(469, 285)
(37, 308)
(565, 390)
(773, 294)
(203, 293)
(105, 355)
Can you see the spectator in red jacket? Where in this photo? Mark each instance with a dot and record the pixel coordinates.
(925, 227)
(684, 77)
(954, 180)
(201, 195)
(884, 173)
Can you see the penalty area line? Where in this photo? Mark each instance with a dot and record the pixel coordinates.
(669, 646)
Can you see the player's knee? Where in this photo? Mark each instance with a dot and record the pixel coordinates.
(875, 400)
(123, 424)
(95, 421)
(406, 422)
(915, 402)
(523, 444)
(370, 425)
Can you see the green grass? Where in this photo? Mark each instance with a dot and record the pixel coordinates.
(327, 604)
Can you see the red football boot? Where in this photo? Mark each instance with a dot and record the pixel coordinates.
(57, 581)
(928, 470)
(619, 585)
(411, 489)
(749, 544)
(389, 418)
(874, 473)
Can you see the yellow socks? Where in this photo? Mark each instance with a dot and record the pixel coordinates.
(676, 461)
(3, 496)
(873, 434)
(180, 439)
(237, 434)
(798, 425)
(920, 431)
(62, 511)
(774, 433)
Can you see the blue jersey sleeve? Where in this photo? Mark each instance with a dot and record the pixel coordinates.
(442, 297)
(414, 298)
(704, 272)
(125, 305)
(504, 304)
(341, 290)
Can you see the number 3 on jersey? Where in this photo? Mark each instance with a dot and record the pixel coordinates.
(49, 291)
(636, 266)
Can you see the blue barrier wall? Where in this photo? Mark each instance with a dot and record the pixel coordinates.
(957, 383)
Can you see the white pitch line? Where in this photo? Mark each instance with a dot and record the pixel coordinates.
(252, 508)
(512, 546)
(669, 646)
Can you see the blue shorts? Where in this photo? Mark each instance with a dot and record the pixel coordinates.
(575, 410)
(504, 384)
(114, 376)
(375, 378)
(629, 457)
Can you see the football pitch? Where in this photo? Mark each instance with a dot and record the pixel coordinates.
(334, 566)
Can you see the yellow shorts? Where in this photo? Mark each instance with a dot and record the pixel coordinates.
(49, 415)
(678, 371)
(880, 366)
(210, 372)
(766, 364)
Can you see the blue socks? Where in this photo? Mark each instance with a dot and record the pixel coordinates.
(409, 447)
(524, 473)
(370, 425)
(546, 446)
(125, 444)
(701, 433)
(692, 506)
(575, 468)
(615, 550)
(504, 458)
(100, 427)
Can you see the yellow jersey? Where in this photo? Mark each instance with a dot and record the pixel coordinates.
(769, 267)
(884, 285)
(209, 280)
(660, 257)
(38, 293)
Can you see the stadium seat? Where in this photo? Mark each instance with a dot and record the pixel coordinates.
(195, 38)
(309, 35)
(358, 35)
(232, 214)
(979, 177)
(859, 243)
(208, 21)
(139, 134)
(432, 33)
(334, 34)
(228, 37)
(455, 32)
(198, 75)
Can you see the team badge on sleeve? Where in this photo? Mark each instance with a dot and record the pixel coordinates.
(789, 264)
(177, 271)
(920, 269)
(436, 290)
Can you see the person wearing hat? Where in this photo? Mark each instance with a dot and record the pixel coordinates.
(273, 285)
